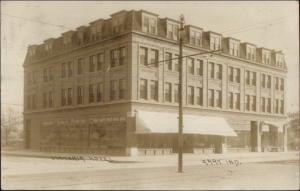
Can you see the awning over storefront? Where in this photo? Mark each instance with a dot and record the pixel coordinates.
(163, 122)
(278, 124)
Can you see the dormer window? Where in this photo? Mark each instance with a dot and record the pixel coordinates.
(215, 42)
(266, 57)
(67, 40)
(172, 31)
(96, 32)
(32, 51)
(195, 37)
(48, 46)
(250, 53)
(118, 25)
(234, 48)
(149, 25)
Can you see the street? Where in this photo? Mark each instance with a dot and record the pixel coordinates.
(47, 173)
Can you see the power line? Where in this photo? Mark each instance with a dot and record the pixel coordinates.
(258, 23)
(37, 21)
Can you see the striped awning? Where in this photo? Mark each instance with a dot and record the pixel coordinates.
(163, 122)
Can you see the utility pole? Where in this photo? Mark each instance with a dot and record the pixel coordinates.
(180, 127)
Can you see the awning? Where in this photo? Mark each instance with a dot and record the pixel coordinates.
(163, 122)
(278, 124)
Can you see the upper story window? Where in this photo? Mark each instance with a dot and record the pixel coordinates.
(219, 71)
(199, 67)
(218, 98)
(211, 69)
(79, 95)
(250, 52)
(79, 66)
(266, 58)
(215, 42)
(122, 88)
(48, 46)
(195, 38)
(118, 25)
(168, 92)
(190, 95)
(149, 25)
(176, 63)
(172, 31)
(154, 90)
(199, 96)
(143, 89)
(191, 66)
(211, 98)
(117, 56)
(70, 69)
(234, 48)
(281, 84)
(67, 40)
(176, 93)
(237, 75)
(144, 56)
(48, 74)
(92, 63)
(263, 80)
(230, 73)
(100, 93)
(63, 70)
(154, 58)
(32, 51)
(113, 89)
(269, 81)
(96, 32)
(168, 59)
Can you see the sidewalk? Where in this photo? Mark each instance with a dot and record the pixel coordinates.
(190, 158)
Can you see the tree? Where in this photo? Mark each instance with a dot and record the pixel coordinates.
(11, 127)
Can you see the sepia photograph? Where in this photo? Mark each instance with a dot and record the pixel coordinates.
(150, 95)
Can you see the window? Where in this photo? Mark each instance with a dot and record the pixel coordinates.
(190, 95)
(154, 58)
(122, 56)
(29, 102)
(144, 56)
(92, 63)
(263, 104)
(230, 97)
(253, 78)
(191, 65)
(113, 89)
(168, 92)
(70, 96)
(79, 66)
(149, 25)
(143, 89)
(100, 61)
(247, 77)
(237, 101)
(219, 71)
(211, 98)
(263, 80)
(193, 37)
(114, 56)
(168, 60)
(122, 88)
(218, 98)
(70, 69)
(63, 97)
(91, 93)
(276, 83)
(231, 74)
(176, 63)
(269, 81)
(215, 43)
(63, 70)
(99, 92)
(79, 95)
(199, 68)
(33, 101)
(269, 105)
(237, 75)
(247, 103)
(50, 76)
(172, 31)
(34, 77)
(118, 25)
(199, 96)
(45, 99)
(50, 99)
(176, 93)
(253, 103)
(45, 75)
(281, 106)
(282, 84)
(276, 106)
(211, 70)
(154, 90)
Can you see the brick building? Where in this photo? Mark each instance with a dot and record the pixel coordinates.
(83, 90)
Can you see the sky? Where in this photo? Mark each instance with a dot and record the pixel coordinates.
(274, 25)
